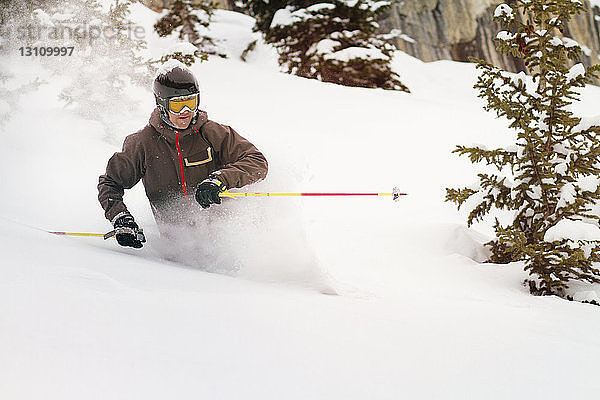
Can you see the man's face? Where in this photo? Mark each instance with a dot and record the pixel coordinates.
(181, 109)
(181, 121)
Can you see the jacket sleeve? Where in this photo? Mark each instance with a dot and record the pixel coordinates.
(242, 163)
(123, 171)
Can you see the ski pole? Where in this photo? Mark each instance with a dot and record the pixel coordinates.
(76, 233)
(395, 194)
(107, 235)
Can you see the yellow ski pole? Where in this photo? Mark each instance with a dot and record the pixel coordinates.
(107, 235)
(395, 194)
(77, 233)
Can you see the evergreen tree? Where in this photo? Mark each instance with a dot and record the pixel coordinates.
(549, 178)
(190, 22)
(9, 102)
(263, 11)
(15, 19)
(334, 41)
(15, 15)
(186, 57)
(103, 67)
(4, 106)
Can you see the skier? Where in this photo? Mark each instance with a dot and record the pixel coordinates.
(180, 155)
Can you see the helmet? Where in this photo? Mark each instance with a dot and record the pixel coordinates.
(173, 80)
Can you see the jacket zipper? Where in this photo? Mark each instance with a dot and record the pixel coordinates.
(180, 163)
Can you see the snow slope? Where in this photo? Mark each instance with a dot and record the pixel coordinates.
(418, 315)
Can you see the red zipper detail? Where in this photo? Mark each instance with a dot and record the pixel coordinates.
(180, 163)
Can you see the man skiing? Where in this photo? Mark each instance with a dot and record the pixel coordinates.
(181, 157)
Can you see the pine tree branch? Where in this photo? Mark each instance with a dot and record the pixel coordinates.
(498, 157)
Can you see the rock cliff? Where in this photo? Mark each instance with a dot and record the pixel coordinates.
(160, 4)
(459, 29)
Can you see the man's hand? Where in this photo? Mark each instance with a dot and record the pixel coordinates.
(129, 233)
(208, 191)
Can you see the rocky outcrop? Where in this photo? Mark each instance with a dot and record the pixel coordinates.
(158, 5)
(459, 29)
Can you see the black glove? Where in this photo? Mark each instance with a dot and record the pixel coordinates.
(208, 191)
(128, 233)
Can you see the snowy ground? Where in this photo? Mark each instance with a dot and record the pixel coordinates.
(417, 316)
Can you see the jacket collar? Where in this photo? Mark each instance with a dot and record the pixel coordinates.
(168, 132)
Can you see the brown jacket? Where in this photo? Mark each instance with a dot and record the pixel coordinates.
(172, 163)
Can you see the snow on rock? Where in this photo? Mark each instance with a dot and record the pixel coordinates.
(397, 33)
(586, 50)
(406, 38)
(573, 230)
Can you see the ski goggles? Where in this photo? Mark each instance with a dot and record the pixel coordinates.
(177, 105)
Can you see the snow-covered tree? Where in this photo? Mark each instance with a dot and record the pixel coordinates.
(15, 20)
(332, 40)
(105, 63)
(550, 178)
(189, 21)
(263, 11)
(9, 102)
